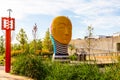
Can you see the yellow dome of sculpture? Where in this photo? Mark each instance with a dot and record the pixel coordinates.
(61, 29)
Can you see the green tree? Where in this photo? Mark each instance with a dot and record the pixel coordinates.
(2, 49)
(90, 40)
(22, 38)
(71, 47)
(34, 32)
(31, 45)
(90, 35)
(16, 46)
(39, 44)
(47, 44)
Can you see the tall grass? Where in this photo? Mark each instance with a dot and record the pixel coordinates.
(33, 66)
(2, 60)
(60, 71)
(29, 65)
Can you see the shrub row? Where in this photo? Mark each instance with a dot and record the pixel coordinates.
(32, 66)
(73, 72)
(2, 60)
(29, 65)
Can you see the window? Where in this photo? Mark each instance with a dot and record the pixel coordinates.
(118, 46)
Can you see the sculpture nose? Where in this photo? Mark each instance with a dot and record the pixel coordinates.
(66, 31)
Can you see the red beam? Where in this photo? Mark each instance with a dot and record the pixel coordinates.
(8, 51)
(8, 27)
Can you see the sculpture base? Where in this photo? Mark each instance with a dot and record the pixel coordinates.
(61, 58)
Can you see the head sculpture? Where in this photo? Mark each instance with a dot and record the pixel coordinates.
(61, 29)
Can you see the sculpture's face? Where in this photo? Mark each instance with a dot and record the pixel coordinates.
(61, 29)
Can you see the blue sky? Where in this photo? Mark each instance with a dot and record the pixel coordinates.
(103, 15)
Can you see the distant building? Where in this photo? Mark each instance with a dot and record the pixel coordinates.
(97, 37)
(99, 44)
(116, 34)
(78, 38)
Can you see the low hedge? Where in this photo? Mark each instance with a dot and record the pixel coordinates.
(60, 71)
(2, 60)
(31, 66)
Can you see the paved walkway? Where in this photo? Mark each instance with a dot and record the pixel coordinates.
(8, 76)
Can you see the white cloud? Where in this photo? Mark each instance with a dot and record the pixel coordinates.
(99, 13)
(22, 8)
(53, 7)
(97, 7)
(104, 22)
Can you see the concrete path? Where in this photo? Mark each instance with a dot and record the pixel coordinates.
(8, 76)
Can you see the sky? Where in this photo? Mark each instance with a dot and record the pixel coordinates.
(102, 15)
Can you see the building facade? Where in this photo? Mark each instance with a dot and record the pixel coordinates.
(108, 44)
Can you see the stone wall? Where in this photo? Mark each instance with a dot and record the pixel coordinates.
(99, 45)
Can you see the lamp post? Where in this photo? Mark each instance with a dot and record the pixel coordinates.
(34, 31)
(8, 24)
(90, 29)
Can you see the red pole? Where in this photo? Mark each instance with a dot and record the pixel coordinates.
(8, 27)
(8, 51)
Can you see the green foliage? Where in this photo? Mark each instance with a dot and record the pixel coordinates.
(2, 49)
(31, 66)
(112, 72)
(16, 52)
(71, 47)
(32, 48)
(1, 60)
(39, 44)
(16, 47)
(73, 72)
(46, 55)
(27, 48)
(73, 57)
(47, 44)
(22, 37)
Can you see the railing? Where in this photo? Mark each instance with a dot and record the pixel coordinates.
(103, 58)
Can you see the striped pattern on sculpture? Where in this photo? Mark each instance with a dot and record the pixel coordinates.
(61, 48)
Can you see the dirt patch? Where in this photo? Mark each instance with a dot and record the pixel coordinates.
(8, 76)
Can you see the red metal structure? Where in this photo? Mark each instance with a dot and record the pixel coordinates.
(8, 24)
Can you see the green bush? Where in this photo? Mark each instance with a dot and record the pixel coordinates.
(31, 66)
(16, 52)
(47, 53)
(2, 59)
(58, 71)
(73, 72)
(73, 57)
(112, 72)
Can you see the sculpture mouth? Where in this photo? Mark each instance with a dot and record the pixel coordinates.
(66, 37)
(66, 40)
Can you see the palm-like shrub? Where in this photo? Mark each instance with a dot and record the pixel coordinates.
(29, 65)
(73, 72)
